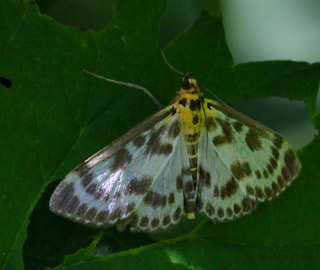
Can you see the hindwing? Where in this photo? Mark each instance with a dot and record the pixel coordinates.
(241, 162)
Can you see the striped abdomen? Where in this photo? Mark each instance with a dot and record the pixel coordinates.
(191, 119)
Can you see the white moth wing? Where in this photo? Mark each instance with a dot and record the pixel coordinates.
(220, 196)
(162, 206)
(109, 187)
(245, 162)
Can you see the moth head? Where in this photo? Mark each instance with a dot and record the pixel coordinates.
(189, 83)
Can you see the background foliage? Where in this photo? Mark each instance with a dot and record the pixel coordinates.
(53, 116)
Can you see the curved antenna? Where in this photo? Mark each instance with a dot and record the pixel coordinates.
(214, 95)
(170, 66)
(183, 74)
(131, 85)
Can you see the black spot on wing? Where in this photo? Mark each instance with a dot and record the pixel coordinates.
(237, 126)
(204, 177)
(61, 197)
(177, 214)
(134, 219)
(121, 225)
(259, 193)
(116, 214)
(155, 223)
(153, 144)
(129, 208)
(220, 213)
(102, 216)
(231, 187)
(166, 220)
(285, 174)
(229, 212)
(253, 140)
(270, 169)
(227, 136)
(81, 210)
(173, 111)
(231, 113)
(292, 163)
(155, 199)
(250, 190)
(216, 192)
(86, 180)
(258, 174)
(82, 169)
(280, 182)
(248, 204)
(241, 170)
(210, 106)
(268, 192)
(210, 124)
(275, 152)
(210, 210)
(179, 183)
(91, 188)
(116, 147)
(278, 141)
(144, 222)
(171, 199)
(91, 214)
(139, 186)
(121, 160)
(275, 188)
(73, 205)
(165, 149)
(139, 141)
(174, 129)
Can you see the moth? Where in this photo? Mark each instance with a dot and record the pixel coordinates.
(195, 155)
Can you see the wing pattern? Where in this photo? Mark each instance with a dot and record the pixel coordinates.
(143, 178)
(240, 163)
(136, 180)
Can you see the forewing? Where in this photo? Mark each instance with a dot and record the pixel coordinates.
(244, 163)
(109, 187)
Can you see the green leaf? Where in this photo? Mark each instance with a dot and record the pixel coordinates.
(82, 253)
(53, 108)
(54, 116)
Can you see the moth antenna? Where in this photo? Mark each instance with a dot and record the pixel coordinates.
(183, 74)
(211, 93)
(131, 85)
(170, 66)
